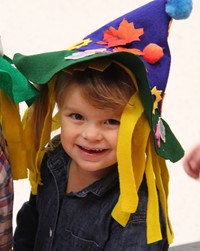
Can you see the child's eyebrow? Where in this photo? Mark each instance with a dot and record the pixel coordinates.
(70, 107)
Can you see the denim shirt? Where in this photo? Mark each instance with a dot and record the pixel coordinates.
(80, 221)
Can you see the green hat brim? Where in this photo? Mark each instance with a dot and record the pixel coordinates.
(14, 84)
(44, 66)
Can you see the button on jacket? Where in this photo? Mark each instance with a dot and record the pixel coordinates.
(82, 221)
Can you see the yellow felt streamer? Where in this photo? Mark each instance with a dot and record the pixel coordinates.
(162, 180)
(55, 122)
(46, 134)
(130, 116)
(12, 129)
(153, 217)
(139, 142)
(28, 142)
(28, 139)
(139, 145)
(165, 180)
(35, 154)
(128, 199)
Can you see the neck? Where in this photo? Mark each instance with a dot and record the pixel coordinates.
(79, 179)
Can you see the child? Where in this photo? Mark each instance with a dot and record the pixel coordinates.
(14, 88)
(6, 195)
(103, 183)
(90, 104)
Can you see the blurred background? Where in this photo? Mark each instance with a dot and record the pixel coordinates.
(35, 26)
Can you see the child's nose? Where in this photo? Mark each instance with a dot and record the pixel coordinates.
(92, 133)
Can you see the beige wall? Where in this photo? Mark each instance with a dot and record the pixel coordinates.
(34, 26)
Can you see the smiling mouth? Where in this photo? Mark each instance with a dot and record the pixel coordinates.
(92, 150)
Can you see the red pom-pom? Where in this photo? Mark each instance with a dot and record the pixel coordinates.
(152, 53)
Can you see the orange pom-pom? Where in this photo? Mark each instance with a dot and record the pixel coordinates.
(152, 53)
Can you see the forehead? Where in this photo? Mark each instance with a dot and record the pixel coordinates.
(75, 101)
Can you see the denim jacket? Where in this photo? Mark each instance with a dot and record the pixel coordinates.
(82, 221)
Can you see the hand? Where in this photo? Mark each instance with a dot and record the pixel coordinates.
(191, 162)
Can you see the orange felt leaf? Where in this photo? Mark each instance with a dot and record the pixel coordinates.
(125, 34)
(134, 51)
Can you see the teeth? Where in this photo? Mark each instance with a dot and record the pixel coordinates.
(95, 149)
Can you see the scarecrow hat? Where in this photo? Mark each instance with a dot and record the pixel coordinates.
(136, 41)
(14, 88)
(139, 41)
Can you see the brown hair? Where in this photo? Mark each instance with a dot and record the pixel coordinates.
(108, 89)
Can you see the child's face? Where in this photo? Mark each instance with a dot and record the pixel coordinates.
(88, 134)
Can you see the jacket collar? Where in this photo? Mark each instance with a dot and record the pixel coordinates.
(59, 160)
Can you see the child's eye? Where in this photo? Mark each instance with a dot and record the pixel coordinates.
(76, 116)
(112, 122)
